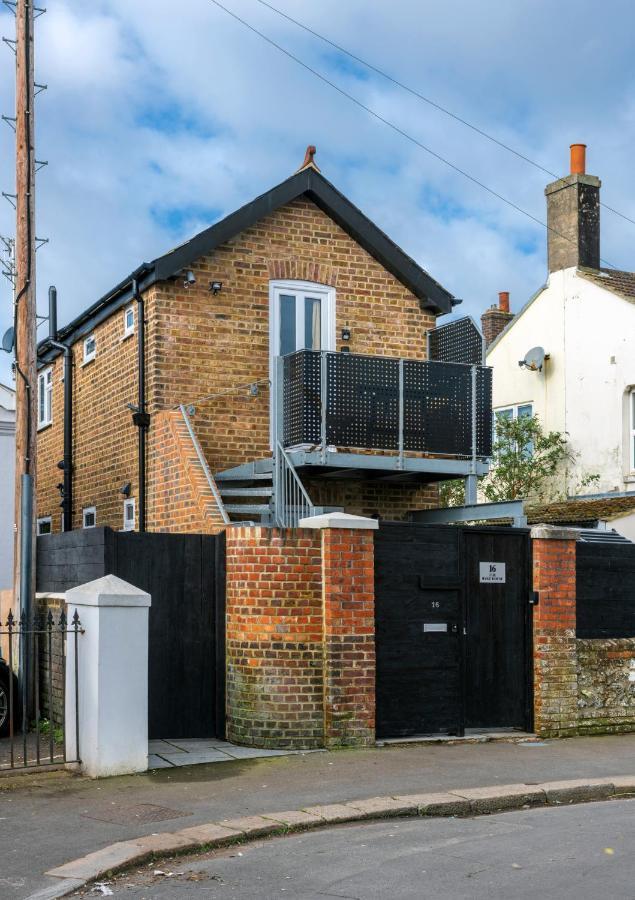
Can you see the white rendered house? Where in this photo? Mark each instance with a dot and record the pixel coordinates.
(7, 465)
(584, 320)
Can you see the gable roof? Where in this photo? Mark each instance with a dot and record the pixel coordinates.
(621, 283)
(308, 182)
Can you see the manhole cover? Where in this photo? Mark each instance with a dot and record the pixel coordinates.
(139, 814)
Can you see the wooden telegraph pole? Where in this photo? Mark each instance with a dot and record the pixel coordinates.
(25, 313)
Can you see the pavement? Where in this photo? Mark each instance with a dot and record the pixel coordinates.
(570, 852)
(58, 818)
(167, 753)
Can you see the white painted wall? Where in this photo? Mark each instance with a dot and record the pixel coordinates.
(589, 334)
(7, 470)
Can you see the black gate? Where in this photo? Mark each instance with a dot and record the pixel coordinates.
(453, 636)
(185, 576)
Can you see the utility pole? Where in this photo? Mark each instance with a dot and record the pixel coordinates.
(25, 316)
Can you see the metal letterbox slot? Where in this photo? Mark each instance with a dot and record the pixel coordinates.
(435, 626)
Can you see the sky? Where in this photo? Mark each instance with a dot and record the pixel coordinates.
(161, 117)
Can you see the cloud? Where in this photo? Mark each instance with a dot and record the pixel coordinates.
(160, 118)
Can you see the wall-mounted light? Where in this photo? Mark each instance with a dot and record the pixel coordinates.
(346, 334)
(190, 278)
(254, 390)
(215, 287)
(125, 489)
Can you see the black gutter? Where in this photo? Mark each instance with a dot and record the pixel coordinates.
(67, 463)
(140, 417)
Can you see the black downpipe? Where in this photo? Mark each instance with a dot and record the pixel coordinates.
(141, 418)
(67, 464)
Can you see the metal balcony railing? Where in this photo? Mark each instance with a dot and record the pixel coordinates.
(328, 399)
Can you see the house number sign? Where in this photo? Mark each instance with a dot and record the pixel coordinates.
(491, 573)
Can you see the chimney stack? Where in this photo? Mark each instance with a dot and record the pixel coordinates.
(573, 216)
(496, 318)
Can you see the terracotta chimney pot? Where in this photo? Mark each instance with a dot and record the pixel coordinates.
(578, 159)
(503, 301)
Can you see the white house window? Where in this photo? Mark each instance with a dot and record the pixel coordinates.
(45, 398)
(128, 321)
(45, 525)
(129, 514)
(90, 348)
(89, 517)
(515, 412)
(302, 317)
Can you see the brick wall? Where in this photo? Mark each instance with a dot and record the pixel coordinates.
(555, 669)
(274, 645)
(348, 591)
(300, 637)
(206, 350)
(51, 664)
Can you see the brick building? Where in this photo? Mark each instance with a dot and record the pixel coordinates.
(182, 410)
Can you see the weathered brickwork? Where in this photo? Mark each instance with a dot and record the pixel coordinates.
(274, 646)
(55, 605)
(373, 499)
(349, 637)
(300, 637)
(555, 671)
(606, 685)
(206, 350)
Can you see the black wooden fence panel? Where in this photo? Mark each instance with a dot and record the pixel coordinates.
(605, 575)
(185, 576)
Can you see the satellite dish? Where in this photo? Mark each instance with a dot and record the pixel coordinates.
(534, 359)
(8, 340)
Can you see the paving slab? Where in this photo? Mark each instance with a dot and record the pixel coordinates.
(157, 762)
(505, 796)
(332, 812)
(252, 826)
(210, 833)
(191, 759)
(164, 843)
(295, 818)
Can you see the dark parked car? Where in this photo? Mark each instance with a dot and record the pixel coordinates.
(5, 681)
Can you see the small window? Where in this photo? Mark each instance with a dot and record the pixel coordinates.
(44, 525)
(128, 515)
(45, 398)
(128, 321)
(90, 348)
(89, 517)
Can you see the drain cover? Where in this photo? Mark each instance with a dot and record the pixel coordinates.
(140, 814)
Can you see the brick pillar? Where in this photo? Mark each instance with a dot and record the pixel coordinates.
(554, 630)
(348, 593)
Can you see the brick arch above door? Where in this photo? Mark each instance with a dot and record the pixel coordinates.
(295, 269)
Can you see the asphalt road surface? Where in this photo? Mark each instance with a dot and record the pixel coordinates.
(583, 851)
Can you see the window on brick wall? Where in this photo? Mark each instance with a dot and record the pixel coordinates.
(89, 517)
(44, 525)
(45, 398)
(128, 321)
(90, 348)
(129, 514)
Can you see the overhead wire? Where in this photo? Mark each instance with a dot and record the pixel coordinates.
(428, 100)
(395, 127)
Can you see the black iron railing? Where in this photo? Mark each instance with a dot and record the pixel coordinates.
(33, 709)
(378, 403)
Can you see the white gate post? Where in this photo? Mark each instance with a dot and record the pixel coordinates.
(112, 669)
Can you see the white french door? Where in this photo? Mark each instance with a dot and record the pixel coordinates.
(301, 317)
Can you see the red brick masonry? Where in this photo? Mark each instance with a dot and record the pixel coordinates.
(300, 637)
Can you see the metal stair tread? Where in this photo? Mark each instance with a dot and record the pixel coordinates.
(245, 491)
(247, 508)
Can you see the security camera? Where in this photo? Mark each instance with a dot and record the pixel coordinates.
(190, 278)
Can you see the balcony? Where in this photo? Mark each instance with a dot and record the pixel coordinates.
(428, 419)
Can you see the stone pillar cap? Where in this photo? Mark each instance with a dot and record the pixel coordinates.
(554, 533)
(339, 520)
(107, 591)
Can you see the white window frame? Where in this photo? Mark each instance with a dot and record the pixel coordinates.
(328, 310)
(514, 408)
(44, 520)
(90, 355)
(86, 511)
(129, 503)
(45, 416)
(631, 433)
(128, 329)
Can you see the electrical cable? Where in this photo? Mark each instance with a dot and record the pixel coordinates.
(396, 128)
(428, 100)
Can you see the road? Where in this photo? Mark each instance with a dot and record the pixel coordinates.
(584, 852)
